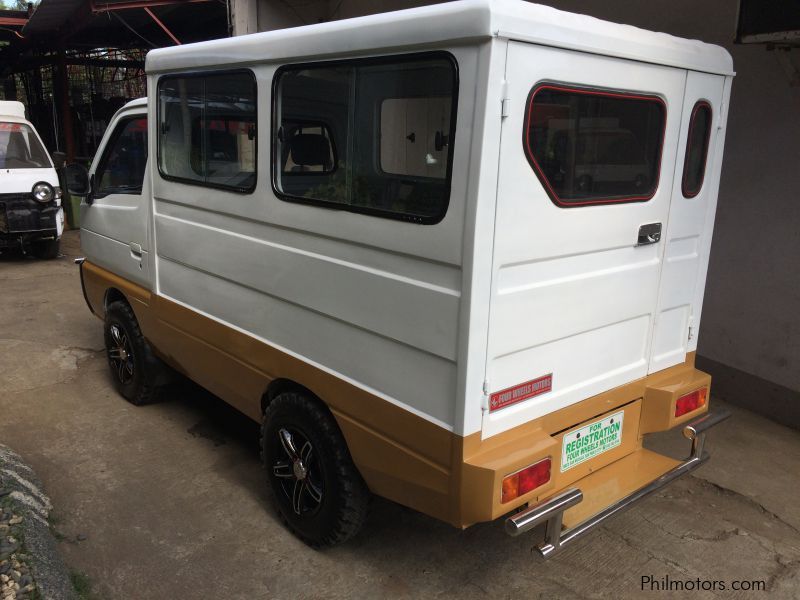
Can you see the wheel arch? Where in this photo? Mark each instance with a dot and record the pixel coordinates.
(114, 295)
(281, 385)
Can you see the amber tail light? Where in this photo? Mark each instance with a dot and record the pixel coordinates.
(525, 480)
(691, 401)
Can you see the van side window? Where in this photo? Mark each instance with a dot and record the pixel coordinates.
(207, 129)
(373, 136)
(594, 147)
(121, 168)
(694, 164)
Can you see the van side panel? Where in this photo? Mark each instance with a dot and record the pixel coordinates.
(356, 294)
(362, 311)
(238, 368)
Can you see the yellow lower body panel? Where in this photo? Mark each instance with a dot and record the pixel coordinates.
(402, 456)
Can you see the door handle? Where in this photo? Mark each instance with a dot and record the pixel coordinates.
(136, 249)
(649, 234)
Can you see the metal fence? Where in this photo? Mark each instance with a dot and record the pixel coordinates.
(99, 83)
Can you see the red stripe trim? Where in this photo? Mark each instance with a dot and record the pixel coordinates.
(540, 173)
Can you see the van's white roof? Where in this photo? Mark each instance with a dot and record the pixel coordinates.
(12, 108)
(441, 24)
(134, 103)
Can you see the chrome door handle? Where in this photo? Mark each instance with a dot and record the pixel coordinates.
(136, 249)
(649, 234)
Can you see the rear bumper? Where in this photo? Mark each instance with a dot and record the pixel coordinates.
(551, 510)
(649, 405)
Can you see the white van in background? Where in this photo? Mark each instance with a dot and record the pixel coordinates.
(31, 216)
(454, 256)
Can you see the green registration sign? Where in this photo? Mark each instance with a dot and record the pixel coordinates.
(594, 439)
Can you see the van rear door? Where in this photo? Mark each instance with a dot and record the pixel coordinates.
(691, 216)
(587, 160)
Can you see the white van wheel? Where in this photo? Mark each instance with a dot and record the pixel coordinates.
(318, 490)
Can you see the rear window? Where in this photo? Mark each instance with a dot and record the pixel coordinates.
(694, 165)
(594, 147)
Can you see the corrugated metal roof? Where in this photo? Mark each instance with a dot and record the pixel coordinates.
(73, 24)
(51, 15)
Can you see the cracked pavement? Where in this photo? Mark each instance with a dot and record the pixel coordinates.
(168, 500)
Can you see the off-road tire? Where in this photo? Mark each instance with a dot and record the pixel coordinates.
(343, 508)
(45, 249)
(142, 387)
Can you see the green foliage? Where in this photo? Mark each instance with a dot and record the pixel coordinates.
(18, 4)
(81, 585)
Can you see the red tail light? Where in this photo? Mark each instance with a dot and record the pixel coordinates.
(691, 401)
(522, 482)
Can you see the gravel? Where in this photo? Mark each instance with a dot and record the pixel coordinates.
(30, 566)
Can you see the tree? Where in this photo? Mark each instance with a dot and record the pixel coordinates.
(18, 4)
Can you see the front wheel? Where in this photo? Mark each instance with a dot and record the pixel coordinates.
(318, 490)
(133, 368)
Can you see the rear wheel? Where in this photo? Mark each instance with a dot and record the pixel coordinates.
(134, 369)
(318, 490)
(46, 249)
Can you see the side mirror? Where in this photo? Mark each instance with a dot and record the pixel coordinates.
(59, 158)
(77, 178)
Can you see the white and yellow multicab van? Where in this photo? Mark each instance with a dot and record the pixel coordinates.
(453, 256)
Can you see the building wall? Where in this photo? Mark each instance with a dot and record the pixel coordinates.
(751, 316)
(265, 15)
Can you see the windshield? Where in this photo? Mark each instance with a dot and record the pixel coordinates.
(20, 148)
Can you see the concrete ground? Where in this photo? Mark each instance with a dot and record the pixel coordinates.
(168, 501)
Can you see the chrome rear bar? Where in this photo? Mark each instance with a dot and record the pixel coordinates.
(551, 511)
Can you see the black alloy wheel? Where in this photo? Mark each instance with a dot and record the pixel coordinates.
(138, 375)
(317, 488)
(299, 475)
(120, 355)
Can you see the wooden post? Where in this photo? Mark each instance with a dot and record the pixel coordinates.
(62, 90)
(10, 87)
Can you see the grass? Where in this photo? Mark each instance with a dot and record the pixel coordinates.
(82, 585)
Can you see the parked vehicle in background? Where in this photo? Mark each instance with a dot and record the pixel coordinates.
(31, 216)
(367, 236)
